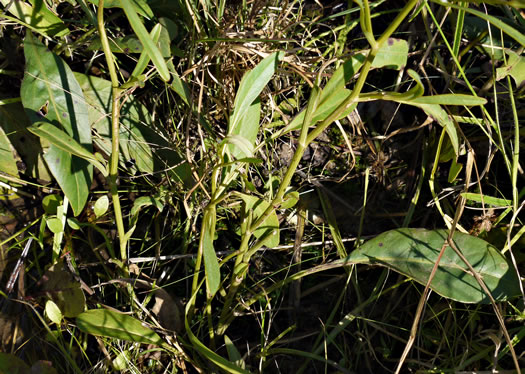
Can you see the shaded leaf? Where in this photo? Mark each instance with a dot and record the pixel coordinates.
(269, 225)
(104, 322)
(51, 93)
(141, 6)
(50, 203)
(10, 364)
(64, 290)
(413, 253)
(7, 159)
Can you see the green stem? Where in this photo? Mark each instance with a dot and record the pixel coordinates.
(113, 165)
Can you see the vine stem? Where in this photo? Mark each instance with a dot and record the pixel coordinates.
(115, 113)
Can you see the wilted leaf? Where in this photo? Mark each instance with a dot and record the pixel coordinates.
(413, 253)
(104, 322)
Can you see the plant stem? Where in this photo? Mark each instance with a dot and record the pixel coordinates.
(113, 165)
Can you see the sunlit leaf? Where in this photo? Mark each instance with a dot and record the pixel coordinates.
(392, 54)
(270, 225)
(104, 322)
(413, 253)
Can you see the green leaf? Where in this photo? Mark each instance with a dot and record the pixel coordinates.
(50, 203)
(10, 364)
(101, 206)
(332, 95)
(61, 287)
(486, 199)
(441, 116)
(449, 99)
(54, 225)
(233, 353)
(270, 224)
(104, 322)
(141, 6)
(50, 88)
(7, 159)
(211, 264)
(63, 141)
(251, 86)
(392, 54)
(147, 146)
(413, 252)
(145, 39)
(53, 312)
(14, 122)
(515, 67)
(37, 17)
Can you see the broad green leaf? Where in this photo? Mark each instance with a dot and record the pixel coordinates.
(149, 147)
(7, 159)
(144, 37)
(53, 312)
(495, 201)
(141, 6)
(211, 264)
(62, 140)
(104, 322)
(270, 224)
(413, 252)
(392, 54)
(515, 67)
(241, 142)
(10, 364)
(14, 122)
(54, 225)
(51, 93)
(50, 203)
(251, 86)
(37, 17)
(101, 206)
(61, 287)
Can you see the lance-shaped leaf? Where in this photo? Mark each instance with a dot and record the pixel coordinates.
(50, 93)
(104, 322)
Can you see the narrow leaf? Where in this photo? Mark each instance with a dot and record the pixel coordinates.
(270, 224)
(450, 99)
(103, 322)
(211, 264)
(251, 87)
(145, 39)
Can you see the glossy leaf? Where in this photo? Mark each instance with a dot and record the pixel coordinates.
(249, 90)
(62, 140)
(270, 224)
(7, 159)
(145, 39)
(101, 206)
(37, 17)
(392, 54)
(112, 324)
(50, 93)
(413, 252)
